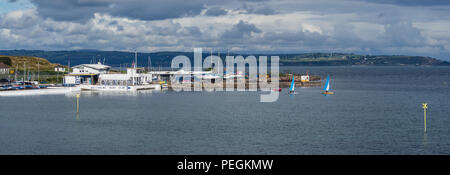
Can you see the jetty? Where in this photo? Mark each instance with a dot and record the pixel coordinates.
(284, 82)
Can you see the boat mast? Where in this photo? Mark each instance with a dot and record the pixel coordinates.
(211, 57)
(135, 58)
(149, 63)
(38, 71)
(68, 67)
(15, 73)
(24, 73)
(135, 66)
(57, 77)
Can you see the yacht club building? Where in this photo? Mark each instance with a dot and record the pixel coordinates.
(98, 74)
(85, 74)
(134, 76)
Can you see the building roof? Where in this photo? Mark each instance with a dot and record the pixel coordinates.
(115, 77)
(3, 65)
(93, 66)
(80, 74)
(179, 72)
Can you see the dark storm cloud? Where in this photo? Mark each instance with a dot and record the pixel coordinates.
(215, 11)
(344, 35)
(412, 2)
(82, 10)
(259, 8)
(72, 10)
(240, 30)
(157, 9)
(12, 1)
(253, 0)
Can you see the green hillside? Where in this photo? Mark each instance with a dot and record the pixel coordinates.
(163, 59)
(31, 63)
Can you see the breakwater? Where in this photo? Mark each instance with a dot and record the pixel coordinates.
(284, 82)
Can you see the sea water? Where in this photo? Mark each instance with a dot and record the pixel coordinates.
(375, 110)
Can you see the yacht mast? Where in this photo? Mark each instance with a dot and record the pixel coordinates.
(135, 58)
(149, 63)
(38, 72)
(15, 73)
(68, 67)
(24, 73)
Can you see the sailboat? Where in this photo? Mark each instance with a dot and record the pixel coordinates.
(326, 88)
(292, 88)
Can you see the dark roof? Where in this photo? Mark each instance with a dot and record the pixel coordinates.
(3, 65)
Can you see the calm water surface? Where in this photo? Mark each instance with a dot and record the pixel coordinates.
(375, 110)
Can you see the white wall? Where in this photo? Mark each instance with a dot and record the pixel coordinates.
(69, 80)
(4, 71)
(87, 70)
(304, 78)
(60, 69)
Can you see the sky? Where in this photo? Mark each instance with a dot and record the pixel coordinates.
(392, 27)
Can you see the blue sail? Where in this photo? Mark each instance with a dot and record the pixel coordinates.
(327, 84)
(292, 88)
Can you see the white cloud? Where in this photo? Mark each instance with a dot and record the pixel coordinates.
(292, 26)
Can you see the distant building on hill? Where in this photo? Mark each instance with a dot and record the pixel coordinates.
(4, 69)
(60, 69)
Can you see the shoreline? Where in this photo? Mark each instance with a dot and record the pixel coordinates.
(43, 91)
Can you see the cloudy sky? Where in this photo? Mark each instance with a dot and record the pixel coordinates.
(411, 27)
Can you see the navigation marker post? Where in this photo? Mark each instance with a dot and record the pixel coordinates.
(78, 103)
(424, 106)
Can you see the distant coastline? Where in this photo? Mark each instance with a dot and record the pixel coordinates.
(163, 59)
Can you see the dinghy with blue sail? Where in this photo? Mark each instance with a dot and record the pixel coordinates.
(292, 88)
(326, 88)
